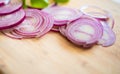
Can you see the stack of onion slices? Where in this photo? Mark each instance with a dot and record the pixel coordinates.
(35, 24)
(85, 27)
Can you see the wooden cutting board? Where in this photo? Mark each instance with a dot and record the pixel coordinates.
(54, 54)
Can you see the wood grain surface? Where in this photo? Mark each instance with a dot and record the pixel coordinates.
(54, 54)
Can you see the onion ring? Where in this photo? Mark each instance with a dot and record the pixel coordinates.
(13, 6)
(108, 37)
(31, 23)
(47, 24)
(85, 30)
(95, 12)
(11, 20)
(62, 15)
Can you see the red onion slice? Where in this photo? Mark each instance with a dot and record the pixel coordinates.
(85, 30)
(47, 24)
(108, 37)
(11, 20)
(95, 12)
(31, 24)
(13, 6)
(36, 24)
(63, 15)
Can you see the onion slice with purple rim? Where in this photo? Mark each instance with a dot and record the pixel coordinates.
(108, 37)
(11, 20)
(84, 31)
(31, 24)
(62, 15)
(98, 13)
(13, 6)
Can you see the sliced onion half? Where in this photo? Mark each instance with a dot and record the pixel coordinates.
(62, 15)
(13, 6)
(11, 20)
(84, 31)
(108, 37)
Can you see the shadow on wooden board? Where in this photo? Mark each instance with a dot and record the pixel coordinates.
(1, 72)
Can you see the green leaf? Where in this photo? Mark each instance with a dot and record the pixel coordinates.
(61, 1)
(39, 3)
